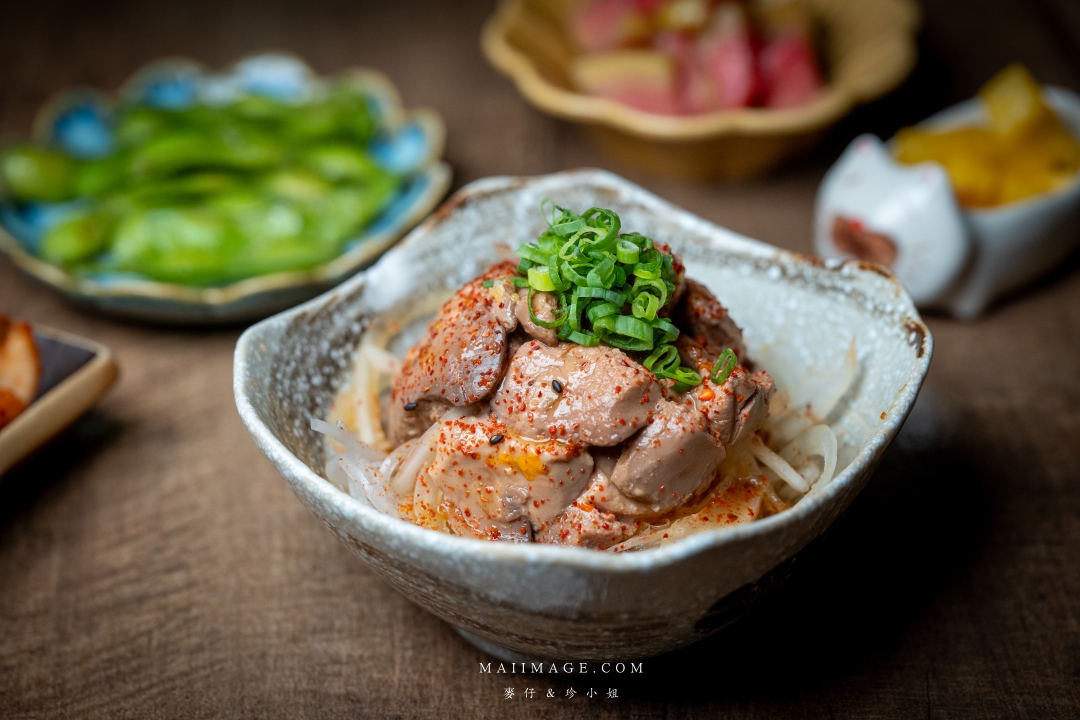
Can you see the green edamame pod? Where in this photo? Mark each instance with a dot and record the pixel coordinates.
(38, 174)
(77, 239)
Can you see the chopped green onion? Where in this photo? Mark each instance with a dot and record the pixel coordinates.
(570, 251)
(625, 333)
(606, 227)
(569, 272)
(575, 314)
(620, 276)
(684, 378)
(627, 252)
(610, 287)
(533, 254)
(540, 280)
(655, 286)
(723, 366)
(566, 223)
(616, 298)
(662, 359)
(646, 272)
(580, 338)
(602, 275)
(548, 243)
(560, 318)
(553, 272)
(638, 239)
(666, 328)
(598, 310)
(645, 306)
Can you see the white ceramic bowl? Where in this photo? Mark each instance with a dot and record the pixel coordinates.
(800, 317)
(952, 258)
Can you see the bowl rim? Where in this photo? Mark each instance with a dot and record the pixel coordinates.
(832, 104)
(347, 509)
(436, 171)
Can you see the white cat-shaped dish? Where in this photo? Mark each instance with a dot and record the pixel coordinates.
(903, 216)
(906, 217)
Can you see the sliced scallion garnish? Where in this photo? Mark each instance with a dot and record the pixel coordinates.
(610, 287)
(539, 279)
(723, 366)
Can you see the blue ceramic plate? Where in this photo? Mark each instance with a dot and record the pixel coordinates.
(410, 142)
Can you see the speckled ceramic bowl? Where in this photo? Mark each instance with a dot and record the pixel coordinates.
(800, 316)
(409, 142)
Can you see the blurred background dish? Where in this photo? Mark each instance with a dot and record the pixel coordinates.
(691, 57)
(977, 201)
(201, 197)
(866, 48)
(68, 374)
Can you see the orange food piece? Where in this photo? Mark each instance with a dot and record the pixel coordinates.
(970, 155)
(20, 364)
(1023, 151)
(10, 406)
(1014, 104)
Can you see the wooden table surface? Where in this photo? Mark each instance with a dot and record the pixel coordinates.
(152, 563)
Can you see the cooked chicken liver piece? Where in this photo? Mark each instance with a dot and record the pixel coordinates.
(707, 327)
(670, 461)
(735, 409)
(463, 355)
(605, 396)
(507, 489)
(604, 494)
(405, 424)
(583, 525)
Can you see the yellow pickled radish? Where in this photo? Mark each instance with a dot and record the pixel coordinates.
(1014, 104)
(1021, 151)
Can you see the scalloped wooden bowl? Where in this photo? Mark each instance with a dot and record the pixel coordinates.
(868, 47)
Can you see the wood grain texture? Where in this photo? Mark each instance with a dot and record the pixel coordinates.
(152, 564)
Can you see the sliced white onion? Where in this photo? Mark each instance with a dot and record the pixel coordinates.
(643, 540)
(341, 434)
(778, 465)
(785, 428)
(360, 462)
(365, 388)
(818, 441)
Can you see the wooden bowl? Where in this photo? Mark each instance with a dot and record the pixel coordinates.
(868, 48)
